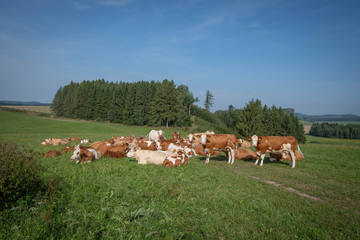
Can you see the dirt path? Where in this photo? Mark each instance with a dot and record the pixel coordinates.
(275, 184)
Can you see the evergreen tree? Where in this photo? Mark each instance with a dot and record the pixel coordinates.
(209, 100)
(250, 119)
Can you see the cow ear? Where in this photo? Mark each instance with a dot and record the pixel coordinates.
(259, 138)
(248, 138)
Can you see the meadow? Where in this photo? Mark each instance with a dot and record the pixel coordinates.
(119, 199)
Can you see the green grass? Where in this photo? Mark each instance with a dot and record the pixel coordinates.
(119, 199)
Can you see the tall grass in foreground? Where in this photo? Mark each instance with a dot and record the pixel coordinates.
(118, 199)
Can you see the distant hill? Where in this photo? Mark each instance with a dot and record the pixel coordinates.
(20, 103)
(329, 117)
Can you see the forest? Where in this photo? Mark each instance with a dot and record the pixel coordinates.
(163, 103)
(335, 130)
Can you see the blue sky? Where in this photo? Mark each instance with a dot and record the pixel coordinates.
(290, 53)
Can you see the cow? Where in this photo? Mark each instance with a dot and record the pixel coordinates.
(244, 154)
(121, 140)
(155, 135)
(85, 141)
(44, 143)
(164, 143)
(244, 143)
(187, 150)
(199, 150)
(68, 149)
(285, 156)
(85, 154)
(58, 141)
(147, 144)
(220, 142)
(176, 160)
(52, 153)
(101, 144)
(274, 144)
(74, 139)
(116, 151)
(148, 157)
(176, 135)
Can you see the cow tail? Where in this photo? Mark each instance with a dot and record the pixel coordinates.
(298, 148)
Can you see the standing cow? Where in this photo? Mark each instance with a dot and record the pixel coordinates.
(155, 135)
(220, 142)
(274, 144)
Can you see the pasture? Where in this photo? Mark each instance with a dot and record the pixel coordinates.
(119, 199)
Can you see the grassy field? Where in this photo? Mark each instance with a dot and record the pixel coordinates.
(119, 199)
(40, 109)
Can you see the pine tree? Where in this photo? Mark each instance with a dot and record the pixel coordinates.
(209, 100)
(250, 119)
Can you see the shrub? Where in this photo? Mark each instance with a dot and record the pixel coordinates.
(20, 175)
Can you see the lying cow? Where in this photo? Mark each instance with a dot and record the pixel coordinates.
(244, 143)
(85, 141)
(57, 141)
(148, 157)
(85, 154)
(176, 135)
(147, 144)
(52, 153)
(117, 151)
(285, 156)
(274, 144)
(176, 160)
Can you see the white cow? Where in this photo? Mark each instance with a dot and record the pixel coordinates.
(155, 135)
(147, 156)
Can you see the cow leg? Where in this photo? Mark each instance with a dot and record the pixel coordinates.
(262, 159)
(257, 159)
(292, 159)
(232, 155)
(229, 154)
(207, 158)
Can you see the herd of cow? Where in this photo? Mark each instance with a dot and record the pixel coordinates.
(155, 149)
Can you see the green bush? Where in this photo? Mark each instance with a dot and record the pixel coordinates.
(20, 175)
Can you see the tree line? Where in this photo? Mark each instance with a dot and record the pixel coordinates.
(140, 103)
(335, 130)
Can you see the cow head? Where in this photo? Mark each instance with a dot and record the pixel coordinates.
(203, 139)
(191, 137)
(131, 150)
(254, 139)
(76, 153)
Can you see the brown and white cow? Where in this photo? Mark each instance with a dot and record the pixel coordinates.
(220, 142)
(147, 144)
(285, 156)
(85, 154)
(68, 149)
(176, 160)
(164, 143)
(85, 141)
(116, 151)
(123, 139)
(274, 144)
(176, 135)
